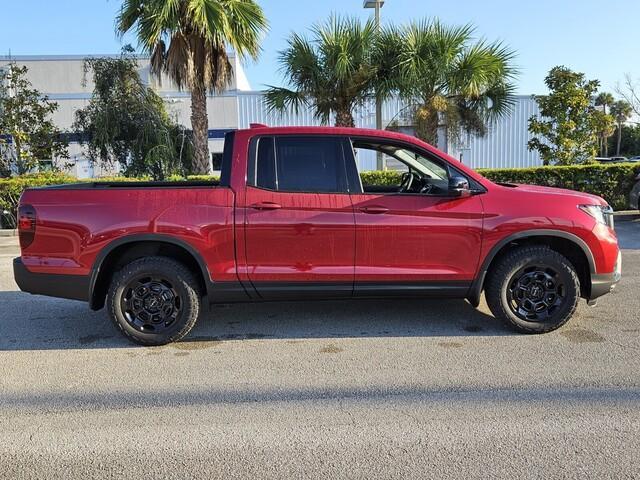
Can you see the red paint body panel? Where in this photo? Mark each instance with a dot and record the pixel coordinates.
(74, 226)
(419, 238)
(311, 237)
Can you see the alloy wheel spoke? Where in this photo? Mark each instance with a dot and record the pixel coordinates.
(535, 293)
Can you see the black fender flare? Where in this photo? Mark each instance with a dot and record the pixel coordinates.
(143, 237)
(478, 283)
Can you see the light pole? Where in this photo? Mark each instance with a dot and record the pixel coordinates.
(377, 5)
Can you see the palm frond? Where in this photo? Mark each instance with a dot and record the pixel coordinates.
(279, 99)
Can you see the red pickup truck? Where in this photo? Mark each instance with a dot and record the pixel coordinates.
(292, 218)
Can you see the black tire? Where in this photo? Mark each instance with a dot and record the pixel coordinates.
(533, 289)
(154, 301)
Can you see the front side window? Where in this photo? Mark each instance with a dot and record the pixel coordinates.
(415, 173)
(299, 164)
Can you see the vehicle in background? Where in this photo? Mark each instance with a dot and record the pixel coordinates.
(292, 219)
(618, 159)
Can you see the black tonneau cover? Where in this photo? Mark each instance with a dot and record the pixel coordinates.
(107, 185)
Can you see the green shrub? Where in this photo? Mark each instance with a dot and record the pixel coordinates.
(611, 182)
(380, 177)
(193, 178)
(12, 188)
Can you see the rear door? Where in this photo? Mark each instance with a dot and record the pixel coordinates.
(299, 221)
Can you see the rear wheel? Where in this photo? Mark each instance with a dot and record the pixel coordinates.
(534, 289)
(154, 301)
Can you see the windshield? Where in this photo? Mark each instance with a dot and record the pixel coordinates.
(420, 164)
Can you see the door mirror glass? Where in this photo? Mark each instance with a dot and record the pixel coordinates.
(459, 187)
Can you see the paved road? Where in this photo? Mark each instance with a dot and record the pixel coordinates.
(405, 389)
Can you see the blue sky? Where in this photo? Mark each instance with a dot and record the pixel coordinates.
(600, 38)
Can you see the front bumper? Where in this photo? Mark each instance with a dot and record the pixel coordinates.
(603, 283)
(74, 287)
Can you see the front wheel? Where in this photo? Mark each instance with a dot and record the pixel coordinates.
(534, 289)
(154, 300)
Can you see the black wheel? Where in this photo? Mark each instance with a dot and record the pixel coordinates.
(154, 301)
(534, 289)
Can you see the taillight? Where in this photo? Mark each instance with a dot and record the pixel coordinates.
(26, 225)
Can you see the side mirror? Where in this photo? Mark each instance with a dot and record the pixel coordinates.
(459, 187)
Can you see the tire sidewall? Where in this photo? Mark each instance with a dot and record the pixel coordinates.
(567, 277)
(185, 291)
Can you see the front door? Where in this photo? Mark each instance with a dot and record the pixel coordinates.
(412, 237)
(299, 223)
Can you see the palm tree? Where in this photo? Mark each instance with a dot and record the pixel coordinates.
(332, 72)
(604, 100)
(621, 111)
(447, 77)
(188, 40)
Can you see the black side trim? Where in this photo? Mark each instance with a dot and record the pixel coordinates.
(478, 284)
(227, 292)
(329, 290)
(74, 287)
(303, 290)
(450, 289)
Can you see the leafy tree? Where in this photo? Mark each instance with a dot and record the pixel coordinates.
(621, 111)
(630, 141)
(25, 118)
(567, 130)
(126, 122)
(447, 76)
(332, 71)
(188, 40)
(605, 100)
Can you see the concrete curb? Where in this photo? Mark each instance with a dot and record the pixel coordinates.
(5, 232)
(626, 215)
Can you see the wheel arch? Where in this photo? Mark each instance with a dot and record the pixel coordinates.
(571, 246)
(126, 249)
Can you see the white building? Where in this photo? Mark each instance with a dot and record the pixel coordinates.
(63, 80)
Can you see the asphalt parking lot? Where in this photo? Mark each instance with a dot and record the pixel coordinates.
(405, 389)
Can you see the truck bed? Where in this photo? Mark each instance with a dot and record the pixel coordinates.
(76, 222)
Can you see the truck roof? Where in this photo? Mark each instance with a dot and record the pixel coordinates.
(327, 130)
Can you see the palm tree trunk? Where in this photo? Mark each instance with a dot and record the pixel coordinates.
(427, 125)
(344, 118)
(200, 126)
(601, 140)
(619, 138)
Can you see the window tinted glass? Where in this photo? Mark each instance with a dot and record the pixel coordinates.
(300, 164)
(309, 164)
(266, 164)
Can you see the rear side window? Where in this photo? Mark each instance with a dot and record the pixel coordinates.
(300, 164)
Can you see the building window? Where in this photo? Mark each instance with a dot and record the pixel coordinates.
(45, 165)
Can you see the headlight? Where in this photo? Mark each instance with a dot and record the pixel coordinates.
(601, 213)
